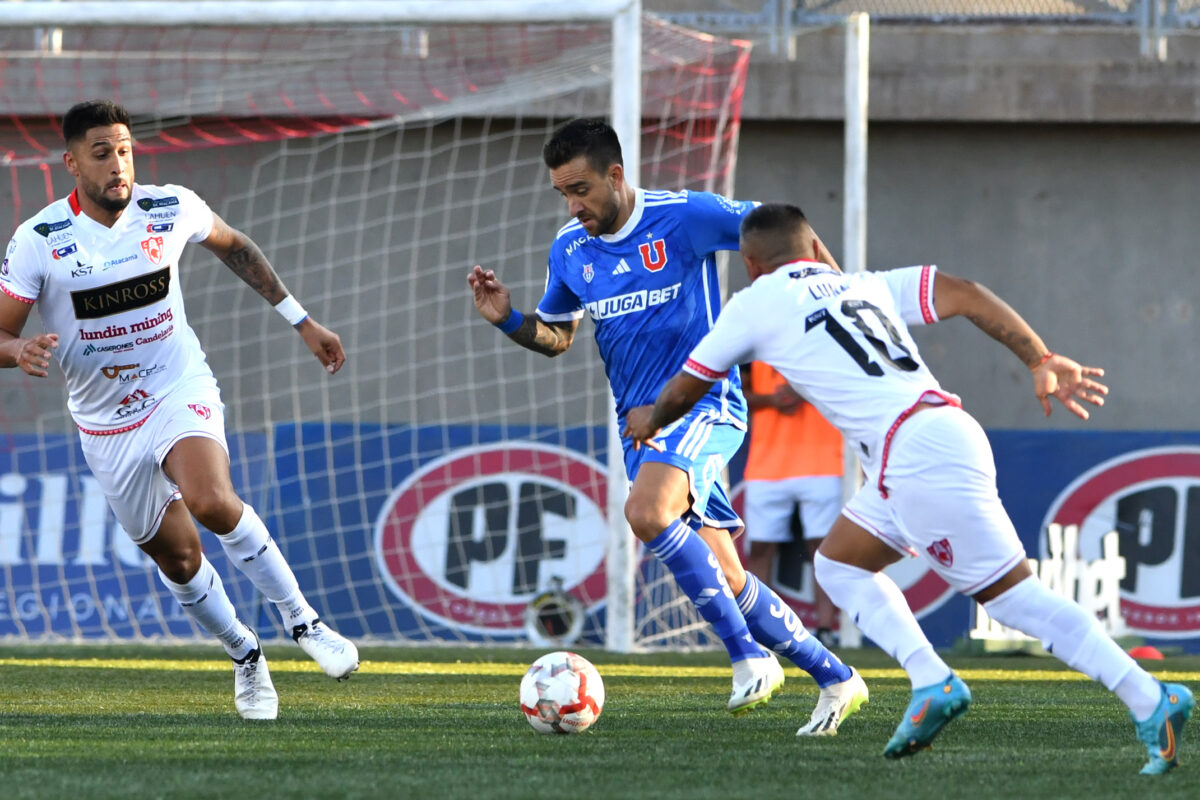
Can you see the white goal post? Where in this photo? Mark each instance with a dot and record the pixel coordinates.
(375, 151)
(854, 218)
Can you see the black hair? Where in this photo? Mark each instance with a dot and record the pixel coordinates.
(774, 218)
(776, 233)
(593, 138)
(82, 117)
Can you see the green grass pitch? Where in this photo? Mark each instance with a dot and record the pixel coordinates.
(141, 722)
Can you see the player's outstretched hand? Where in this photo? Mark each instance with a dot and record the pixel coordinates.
(1070, 382)
(34, 357)
(638, 428)
(324, 343)
(491, 296)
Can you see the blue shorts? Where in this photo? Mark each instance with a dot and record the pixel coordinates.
(700, 445)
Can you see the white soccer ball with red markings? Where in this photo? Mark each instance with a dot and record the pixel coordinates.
(562, 693)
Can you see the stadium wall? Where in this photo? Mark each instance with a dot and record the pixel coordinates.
(1086, 229)
(1016, 71)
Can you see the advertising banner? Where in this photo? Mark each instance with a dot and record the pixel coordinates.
(68, 570)
(449, 532)
(1144, 485)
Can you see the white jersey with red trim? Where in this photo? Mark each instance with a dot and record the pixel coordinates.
(841, 340)
(112, 295)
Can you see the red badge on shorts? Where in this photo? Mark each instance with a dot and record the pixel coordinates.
(942, 552)
(201, 411)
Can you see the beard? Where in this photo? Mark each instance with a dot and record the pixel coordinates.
(113, 204)
(608, 222)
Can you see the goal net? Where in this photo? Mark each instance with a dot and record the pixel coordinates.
(445, 477)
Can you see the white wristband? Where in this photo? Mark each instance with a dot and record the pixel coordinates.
(291, 310)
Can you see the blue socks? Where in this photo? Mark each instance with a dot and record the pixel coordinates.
(700, 577)
(773, 623)
(758, 614)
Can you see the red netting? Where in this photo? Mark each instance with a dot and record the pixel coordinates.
(373, 166)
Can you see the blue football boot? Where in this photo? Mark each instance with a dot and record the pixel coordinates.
(1162, 731)
(931, 708)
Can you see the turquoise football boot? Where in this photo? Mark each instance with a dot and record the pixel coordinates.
(931, 708)
(1162, 731)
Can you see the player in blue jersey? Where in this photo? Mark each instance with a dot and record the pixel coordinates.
(642, 265)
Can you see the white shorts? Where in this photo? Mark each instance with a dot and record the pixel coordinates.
(128, 466)
(769, 506)
(942, 503)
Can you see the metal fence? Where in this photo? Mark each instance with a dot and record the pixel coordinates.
(775, 23)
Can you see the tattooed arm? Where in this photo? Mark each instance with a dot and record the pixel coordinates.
(239, 252)
(1053, 375)
(495, 305)
(549, 339)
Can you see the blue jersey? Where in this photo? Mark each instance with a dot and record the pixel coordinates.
(651, 288)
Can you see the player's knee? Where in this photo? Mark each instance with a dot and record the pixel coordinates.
(646, 519)
(181, 563)
(828, 570)
(216, 509)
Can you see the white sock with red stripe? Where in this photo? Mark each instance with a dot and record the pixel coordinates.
(1075, 637)
(879, 609)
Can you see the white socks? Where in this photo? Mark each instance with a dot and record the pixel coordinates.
(205, 600)
(1075, 637)
(878, 607)
(1067, 631)
(250, 546)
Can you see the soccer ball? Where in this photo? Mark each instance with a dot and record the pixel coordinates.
(561, 693)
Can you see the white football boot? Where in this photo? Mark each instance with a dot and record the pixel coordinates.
(334, 653)
(253, 693)
(835, 704)
(754, 681)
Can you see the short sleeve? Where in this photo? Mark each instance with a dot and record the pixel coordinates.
(21, 271)
(713, 221)
(912, 289)
(558, 303)
(196, 214)
(728, 344)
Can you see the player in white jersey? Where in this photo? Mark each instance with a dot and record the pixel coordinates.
(102, 265)
(843, 342)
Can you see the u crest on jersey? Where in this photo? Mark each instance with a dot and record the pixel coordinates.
(654, 254)
(588, 272)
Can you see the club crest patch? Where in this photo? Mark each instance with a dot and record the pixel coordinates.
(153, 248)
(942, 551)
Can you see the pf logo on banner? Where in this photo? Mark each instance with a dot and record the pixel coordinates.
(1151, 498)
(469, 539)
